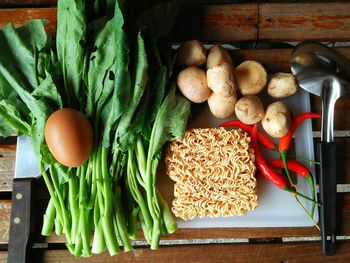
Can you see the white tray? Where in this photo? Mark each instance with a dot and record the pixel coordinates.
(276, 208)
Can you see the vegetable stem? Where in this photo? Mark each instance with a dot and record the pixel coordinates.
(167, 216)
(73, 200)
(132, 183)
(60, 214)
(49, 219)
(119, 217)
(107, 217)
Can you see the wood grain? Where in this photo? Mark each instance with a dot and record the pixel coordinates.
(20, 3)
(7, 166)
(211, 21)
(299, 252)
(235, 21)
(5, 214)
(275, 22)
(214, 23)
(21, 16)
(306, 21)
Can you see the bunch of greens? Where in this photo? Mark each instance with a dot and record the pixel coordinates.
(113, 61)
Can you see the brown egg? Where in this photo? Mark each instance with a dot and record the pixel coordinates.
(69, 136)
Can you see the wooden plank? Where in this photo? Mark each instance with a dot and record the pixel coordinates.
(275, 22)
(3, 256)
(304, 21)
(276, 252)
(212, 23)
(235, 22)
(7, 166)
(20, 16)
(5, 213)
(19, 3)
(343, 160)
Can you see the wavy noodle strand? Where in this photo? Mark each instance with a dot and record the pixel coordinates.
(213, 170)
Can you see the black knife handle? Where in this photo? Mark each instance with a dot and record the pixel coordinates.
(19, 247)
(328, 190)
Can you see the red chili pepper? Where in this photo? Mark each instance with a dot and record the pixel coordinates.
(284, 142)
(300, 169)
(274, 177)
(263, 166)
(264, 140)
(293, 166)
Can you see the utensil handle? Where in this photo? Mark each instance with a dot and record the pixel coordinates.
(328, 190)
(19, 247)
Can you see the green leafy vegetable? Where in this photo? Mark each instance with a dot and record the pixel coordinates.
(112, 66)
(70, 43)
(13, 118)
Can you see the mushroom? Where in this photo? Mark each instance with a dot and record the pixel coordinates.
(249, 109)
(222, 107)
(191, 53)
(251, 77)
(277, 119)
(221, 79)
(192, 83)
(282, 85)
(217, 56)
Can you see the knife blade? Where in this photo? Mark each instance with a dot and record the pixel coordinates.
(26, 171)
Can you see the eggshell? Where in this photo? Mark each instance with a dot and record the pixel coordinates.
(69, 136)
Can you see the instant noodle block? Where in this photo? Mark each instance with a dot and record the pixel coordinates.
(214, 173)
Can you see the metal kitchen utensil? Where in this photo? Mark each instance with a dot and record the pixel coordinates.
(316, 55)
(26, 170)
(325, 74)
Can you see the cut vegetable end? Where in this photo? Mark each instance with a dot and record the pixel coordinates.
(155, 235)
(171, 228)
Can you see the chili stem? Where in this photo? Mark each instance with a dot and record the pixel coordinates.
(301, 158)
(285, 164)
(307, 212)
(301, 195)
(310, 180)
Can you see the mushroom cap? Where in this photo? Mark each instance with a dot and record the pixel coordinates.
(277, 119)
(282, 85)
(218, 55)
(251, 77)
(192, 83)
(222, 107)
(191, 53)
(221, 79)
(249, 109)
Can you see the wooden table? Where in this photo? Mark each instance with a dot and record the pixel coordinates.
(258, 29)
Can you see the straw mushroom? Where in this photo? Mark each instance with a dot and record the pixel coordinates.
(282, 85)
(192, 83)
(277, 119)
(249, 109)
(221, 79)
(218, 55)
(222, 107)
(251, 77)
(191, 53)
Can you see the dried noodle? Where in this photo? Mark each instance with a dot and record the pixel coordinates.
(213, 170)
